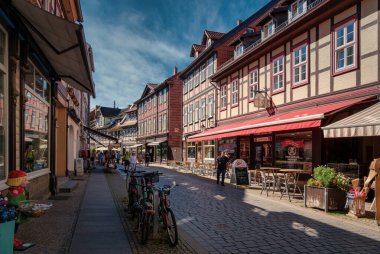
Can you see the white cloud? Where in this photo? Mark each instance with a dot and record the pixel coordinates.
(125, 60)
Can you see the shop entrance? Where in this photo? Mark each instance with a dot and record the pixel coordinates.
(263, 152)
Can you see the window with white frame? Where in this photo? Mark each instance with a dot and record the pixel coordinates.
(209, 149)
(208, 43)
(235, 92)
(210, 105)
(268, 29)
(300, 61)
(191, 114)
(185, 115)
(223, 96)
(191, 150)
(196, 77)
(185, 86)
(159, 123)
(345, 46)
(210, 69)
(196, 112)
(4, 104)
(190, 82)
(297, 9)
(253, 83)
(203, 108)
(278, 73)
(164, 122)
(33, 123)
(154, 125)
(203, 73)
(239, 50)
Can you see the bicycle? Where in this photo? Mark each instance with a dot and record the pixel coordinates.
(133, 193)
(166, 215)
(146, 204)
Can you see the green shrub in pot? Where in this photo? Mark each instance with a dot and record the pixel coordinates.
(327, 177)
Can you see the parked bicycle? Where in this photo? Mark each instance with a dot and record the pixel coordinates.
(166, 215)
(146, 204)
(132, 180)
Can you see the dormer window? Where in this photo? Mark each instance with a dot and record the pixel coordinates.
(208, 43)
(268, 29)
(297, 9)
(239, 50)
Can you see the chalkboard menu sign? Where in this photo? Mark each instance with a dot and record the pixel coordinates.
(242, 177)
(240, 172)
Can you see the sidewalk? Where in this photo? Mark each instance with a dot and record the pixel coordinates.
(99, 227)
(85, 220)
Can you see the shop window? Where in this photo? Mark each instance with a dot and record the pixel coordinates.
(244, 149)
(209, 149)
(294, 150)
(191, 150)
(37, 90)
(229, 146)
(3, 104)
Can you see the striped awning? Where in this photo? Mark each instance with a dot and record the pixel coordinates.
(365, 123)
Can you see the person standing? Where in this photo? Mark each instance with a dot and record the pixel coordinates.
(118, 157)
(126, 161)
(221, 162)
(133, 161)
(147, 159)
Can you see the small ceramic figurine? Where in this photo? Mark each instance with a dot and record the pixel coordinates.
(16, 194)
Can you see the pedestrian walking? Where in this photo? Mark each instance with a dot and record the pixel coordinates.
(147, 159)
(126, 161)
(101, 158)
(117, 157)
(221, 164)
(133, 162)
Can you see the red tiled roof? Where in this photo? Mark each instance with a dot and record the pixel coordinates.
(213, 35)
(196, 47)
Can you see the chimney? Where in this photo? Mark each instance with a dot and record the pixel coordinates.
(239, 22)
(175, 70)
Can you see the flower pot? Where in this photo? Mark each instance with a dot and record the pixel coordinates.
(325, 198)
(7, 230)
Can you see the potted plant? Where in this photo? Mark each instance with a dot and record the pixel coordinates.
(326, 189)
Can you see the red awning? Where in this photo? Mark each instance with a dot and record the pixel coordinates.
(300, 119)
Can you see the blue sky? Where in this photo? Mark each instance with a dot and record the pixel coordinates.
(140, 41)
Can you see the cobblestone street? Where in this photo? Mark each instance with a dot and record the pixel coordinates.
(228, 220)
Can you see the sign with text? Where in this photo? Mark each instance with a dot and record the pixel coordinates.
(240, 174)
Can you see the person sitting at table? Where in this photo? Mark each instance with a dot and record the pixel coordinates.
(221, 161)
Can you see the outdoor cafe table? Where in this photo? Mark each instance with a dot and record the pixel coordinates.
(274, 171)
(291, 178)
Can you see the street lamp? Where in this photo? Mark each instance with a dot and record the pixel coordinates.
(203, 127)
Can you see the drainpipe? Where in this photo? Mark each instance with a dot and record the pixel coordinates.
(53, 104)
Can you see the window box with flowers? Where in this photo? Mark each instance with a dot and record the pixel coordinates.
(326, 189)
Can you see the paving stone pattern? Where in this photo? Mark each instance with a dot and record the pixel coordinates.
(229, 220)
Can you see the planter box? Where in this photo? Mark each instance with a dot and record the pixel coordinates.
(7, 231)
(325, 198)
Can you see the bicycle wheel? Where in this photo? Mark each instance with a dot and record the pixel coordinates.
(145, 227)
(171, 227)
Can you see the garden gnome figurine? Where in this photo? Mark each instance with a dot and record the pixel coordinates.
(16, 194)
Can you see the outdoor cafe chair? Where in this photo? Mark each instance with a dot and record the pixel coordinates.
(267, 181)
